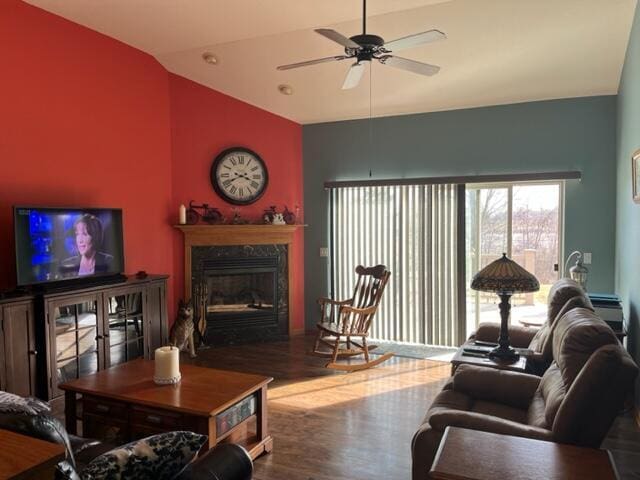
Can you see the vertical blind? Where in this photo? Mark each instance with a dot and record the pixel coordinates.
(414, 230)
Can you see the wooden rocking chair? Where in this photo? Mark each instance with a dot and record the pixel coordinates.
(341, 321)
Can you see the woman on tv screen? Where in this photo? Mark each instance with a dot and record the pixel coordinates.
(90, 260)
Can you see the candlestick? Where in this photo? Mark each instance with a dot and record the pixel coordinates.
(167, 366)
(182, 215)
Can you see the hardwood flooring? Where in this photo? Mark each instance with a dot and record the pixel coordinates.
(355, 426)
(329, 425)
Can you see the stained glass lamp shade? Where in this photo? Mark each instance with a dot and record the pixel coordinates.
(504, 277)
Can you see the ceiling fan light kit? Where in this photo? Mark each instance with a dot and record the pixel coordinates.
(368, 47)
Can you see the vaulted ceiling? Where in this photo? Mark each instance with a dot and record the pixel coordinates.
(497, 51)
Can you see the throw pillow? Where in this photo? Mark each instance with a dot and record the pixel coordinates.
(159, 457)
(10, 403)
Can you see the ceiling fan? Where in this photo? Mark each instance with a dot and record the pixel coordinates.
(367, 47)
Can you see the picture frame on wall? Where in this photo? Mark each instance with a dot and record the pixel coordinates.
(635, 175)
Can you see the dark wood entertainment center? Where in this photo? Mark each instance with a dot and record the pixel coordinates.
(52, 337)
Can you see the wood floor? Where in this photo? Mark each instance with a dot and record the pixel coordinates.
(356, 426)
(329, 425)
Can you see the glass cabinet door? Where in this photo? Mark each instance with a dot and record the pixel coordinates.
(76, 340)
(125, 326)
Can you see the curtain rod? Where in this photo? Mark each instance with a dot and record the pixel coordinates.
(509, 177)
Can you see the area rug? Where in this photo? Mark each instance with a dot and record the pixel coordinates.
(414, 350)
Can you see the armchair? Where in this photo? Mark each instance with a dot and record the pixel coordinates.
(575, 401)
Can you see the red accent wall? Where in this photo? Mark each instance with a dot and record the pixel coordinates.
(88, 120)
(84, 120)
(205, 122)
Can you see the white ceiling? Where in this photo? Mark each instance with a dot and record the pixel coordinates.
(497, 51)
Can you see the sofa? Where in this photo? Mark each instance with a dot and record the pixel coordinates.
(33, 417)
(574, 402)
(564, 295)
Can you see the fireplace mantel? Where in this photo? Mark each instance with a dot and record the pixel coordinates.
(221, 235)
(238, 234)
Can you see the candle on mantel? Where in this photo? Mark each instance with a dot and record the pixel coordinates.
(182, 215)
(167, 365)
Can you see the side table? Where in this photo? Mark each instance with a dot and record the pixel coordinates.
(460, 357)
(473, 455)
(23, 457)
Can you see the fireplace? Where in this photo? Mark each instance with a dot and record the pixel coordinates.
(242, 290)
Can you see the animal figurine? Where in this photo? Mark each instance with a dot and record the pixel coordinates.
(268, 214)
(289, 216)
(278, 219)
(182, 329)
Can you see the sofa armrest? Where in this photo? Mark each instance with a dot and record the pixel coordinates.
(224, 462)
(519, 337)
(486, 423)
(502, 386)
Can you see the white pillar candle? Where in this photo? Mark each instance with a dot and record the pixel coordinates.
(182, 215)
(167, 365)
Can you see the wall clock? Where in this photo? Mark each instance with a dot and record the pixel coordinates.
(239, 176)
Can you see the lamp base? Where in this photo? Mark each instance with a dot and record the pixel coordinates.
(504, 354)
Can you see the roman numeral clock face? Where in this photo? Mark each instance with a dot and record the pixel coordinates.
(239, 176)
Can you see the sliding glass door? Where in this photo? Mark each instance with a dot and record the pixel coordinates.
(525, 222)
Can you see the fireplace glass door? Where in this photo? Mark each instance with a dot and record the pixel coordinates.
(234, 293)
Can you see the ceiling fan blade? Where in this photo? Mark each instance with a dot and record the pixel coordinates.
(312, 62)
(354, 75)
(414, 40)
(337, 37)
(410, 65)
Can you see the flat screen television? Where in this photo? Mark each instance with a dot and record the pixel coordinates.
(66, 244)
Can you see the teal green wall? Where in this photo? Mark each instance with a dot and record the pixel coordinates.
(572, 134)
(628, 213)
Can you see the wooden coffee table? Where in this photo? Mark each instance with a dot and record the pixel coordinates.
(473, 455)
(123, 403)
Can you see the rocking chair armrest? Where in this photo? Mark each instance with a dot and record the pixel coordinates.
(324, 300)
(347, 309)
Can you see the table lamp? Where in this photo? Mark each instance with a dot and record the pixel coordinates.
(504, 277)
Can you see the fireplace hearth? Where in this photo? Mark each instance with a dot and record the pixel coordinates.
(245, 291)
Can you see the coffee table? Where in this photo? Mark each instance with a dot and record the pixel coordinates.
(460, 357)
(474, 455)
(123, 403)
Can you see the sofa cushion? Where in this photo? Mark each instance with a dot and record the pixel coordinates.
(552, 390)
(536, 413)
(543, 340)
(501, 411)
(448, 399)
(560, 292)
(498, 386)
(579, 333)
(159, 457)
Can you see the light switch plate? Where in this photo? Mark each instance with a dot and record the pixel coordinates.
(324, 252)
(587, 258)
